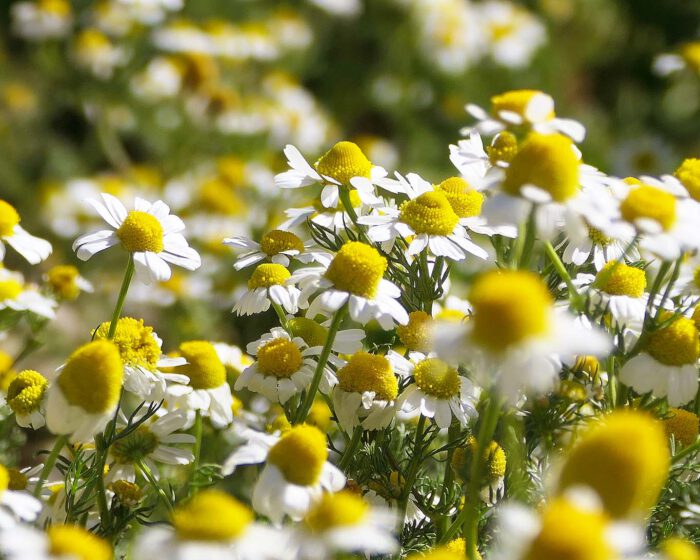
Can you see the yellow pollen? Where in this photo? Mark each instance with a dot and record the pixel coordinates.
(4, 479)
(18, 480)
(366, 372)
(418, 333)
(136, 342)
(276, 241)
(430, 213)
(127, 493)
(71, 541)
(675, 345)
(92, 377)
(9, 218)
(26, 391)
(62, 279)
(503, 148)
(624, 458)
(320, 415)
(509, 307)
(465, 201)
(458, 545)
(494, 460)
(135, 446)
(437, 379)
(300, 454)
(682, 425)
(691, 54)
(676, 548)
(689, 174)
(344, 161)
(204, 368)
(268, 274)
(141, 232)
(308, 330)
(588, 365)
(279, 358)
(619, 279)
(570, 533)
(548, 162)
(515, 101)
(212, 515)
(650, 203)
(9, 289)
(598, 237)
(357, 268)
(342, 509)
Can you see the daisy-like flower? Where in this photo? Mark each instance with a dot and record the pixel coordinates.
(33, 249)
(56, 543)
(149, 232)
(687, 56)
(15, 505)
(83, 397)
(523, 107)
(336, 169)
(334, 218)
(25, 396)
(43, 19)
(280, 247)
(207, 390)
(346, 341)
(344, 522)
(493, 466)
(269, 283)
(284, 366)
(355, 277)
(94, 51)
(66, 282)
(211, 525)
(18, 296)
(366, 392)
(667, 364)
(296, 471)
(438, 391)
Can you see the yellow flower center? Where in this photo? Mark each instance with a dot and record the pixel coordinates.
(624, 458)
(465, 201)
(357, 268)
(218, 196)
(587, 364)
(676, 548)
(300, 454)
(650, 203)
(62, 279)
(92, 377)
(141, 232)
(9, 218)
(503, 148)
(7, 374)
(682, 425)
(26, 391)
(443, 552)
(342, 509)
(548, 162)
(18, 480)
(344, 161)
(509, 307)
(570, 533)
(77, 543)
(136, 343)
(458, 545)
(134, 446)
(366, 372)
(598, 237)
(418, 333)
(279, 423)
(276, 241)
(691, 54)
(9, 289)
(434, 377)
(92, 40)
(493, 459)
(689, 174)
(4, 479)
(430, 213)
(308, 330)
(515, 101)
(212, 515)
(127, 493)
(280, 358)
(619, 279)
(320, 415)
(204, 368)
(268, 274)
(675, 345)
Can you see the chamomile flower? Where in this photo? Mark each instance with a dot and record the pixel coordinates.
(16, 295)
(83, 397)
(296, 471)
(66, 282)
(284, 366)
(683, 425)
(493, 463)
(334, 218)
(149, 232)
(95, 52)
(437, 391)
(355, 277)
(280, 247)
(140, 350)
(43, 19)
(686, 57)
(15, 505)
(347, 341)
(56, 543)
(269, 283)
(25, 396)
(33, 249)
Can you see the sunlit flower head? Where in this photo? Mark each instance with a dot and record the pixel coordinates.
(33, 249)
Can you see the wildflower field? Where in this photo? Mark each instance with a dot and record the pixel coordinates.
(335, 279)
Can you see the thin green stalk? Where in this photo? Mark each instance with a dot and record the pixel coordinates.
(197, 448)
(413, 468)
(683, 453)
(50, 462)
(100, 460)
(563, 274)
(529, 241)
(128, 275)
(111, 144)
(143, 467)
(350, 449)
(448, 476)
(281, 315)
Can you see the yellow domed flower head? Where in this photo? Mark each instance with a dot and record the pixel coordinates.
(357, 268)
(683, 425)
(64, 281)
(280, 358)
(10, 288)
(72, 541)
(25, 393)
(418, 333)
(691, 54)
(136, 342)
(127, 493)
(300, 455)
(268, 274)
(430, 213)
(4, 479)
(649, 203)
(588, 365)
(465, 201)
(494, 460)
(7, 374)
(624, 458)
(335, 510)
(520, 101)
(369, 372)
(437, 379)
(320, 415)
(676, 548)
(344, 161)
(92, 377)
(210, 516)
(141, 232)
(308, 330)
(279, 423)
(689, 175)
(619, 279)
(509, 307)
(503, 148)
(9, 218)
(676, 344)
(547, 161)
(204, 368)
(276, 241)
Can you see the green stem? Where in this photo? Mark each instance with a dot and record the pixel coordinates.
(128, 275)
(50, 462)
(152, 479)
(529, 241)
(448, 477)
(111, 144)
(350, 449)
(281, 315)
(197, 449)
(683, 453)
(100, 461)
(413, 468)
(303, 411)
(563, 273)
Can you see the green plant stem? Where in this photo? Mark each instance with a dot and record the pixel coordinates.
(563, 274)
(152, 480)
(281, 315)
(683, 453)
(128, 275)
(350, 449)
(197, 449)
(49, 464)
(448, 477)
(413, 468)
(111, 144)
(100, 460)
(303, 410)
